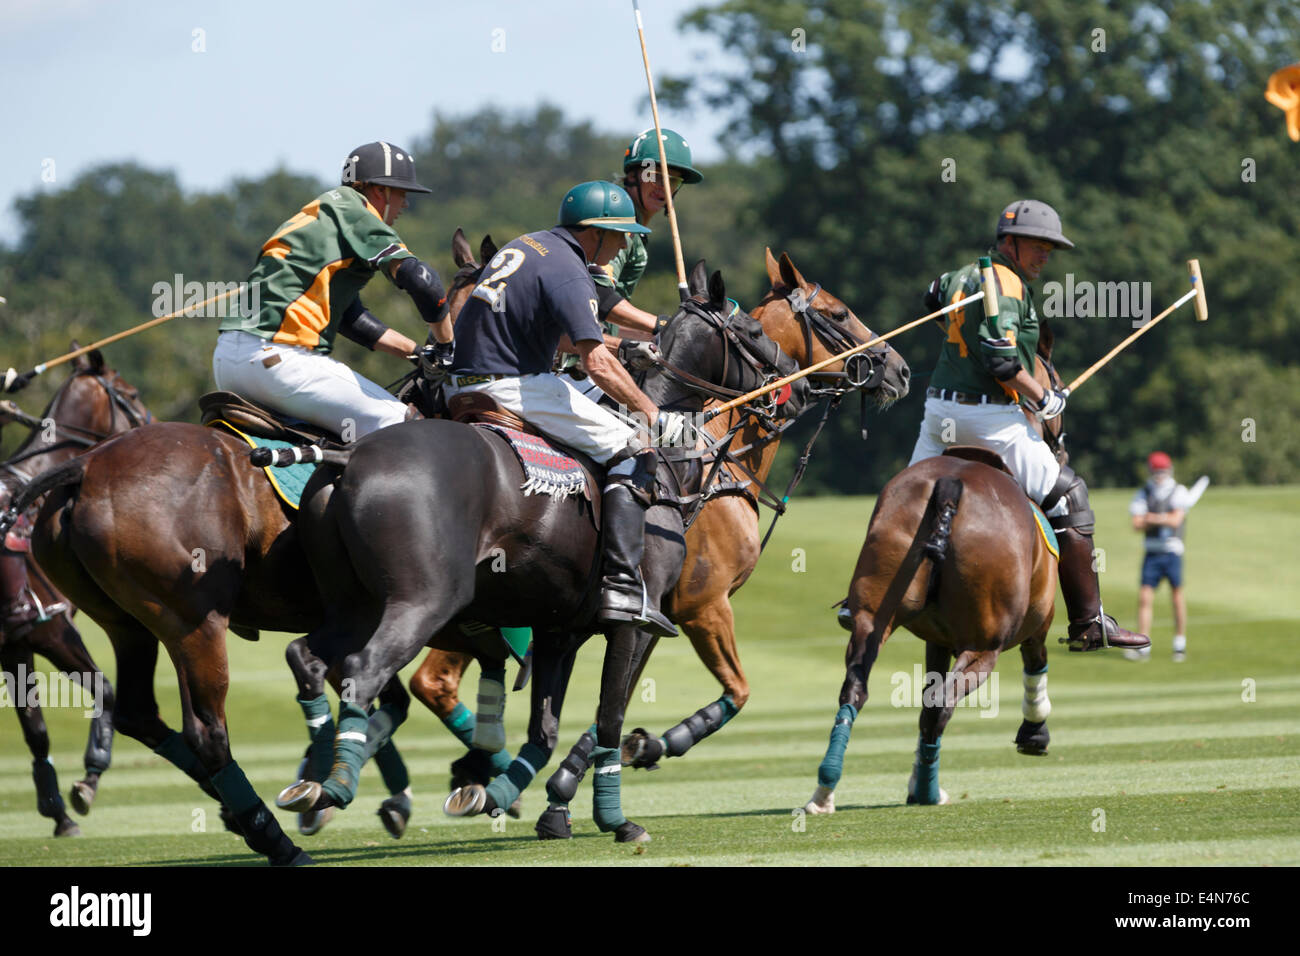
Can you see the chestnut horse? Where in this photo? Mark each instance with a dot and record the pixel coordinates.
(92, 404)
(954, 554)
(722, 548)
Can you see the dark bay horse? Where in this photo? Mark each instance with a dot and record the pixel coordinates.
(92, 404)
(403, 545)
(723, 543)
(954, 554)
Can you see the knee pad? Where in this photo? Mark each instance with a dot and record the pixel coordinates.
(636, 472)
(1079, 515)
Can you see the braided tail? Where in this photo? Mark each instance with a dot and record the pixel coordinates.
(69, 474)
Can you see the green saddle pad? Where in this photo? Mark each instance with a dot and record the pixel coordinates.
(1049, 534)
(288, 482)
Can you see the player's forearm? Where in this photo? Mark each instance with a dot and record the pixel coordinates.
(637, 322)
(395, 343)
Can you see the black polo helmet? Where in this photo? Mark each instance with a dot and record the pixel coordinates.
(1034, 219)
(382, 164)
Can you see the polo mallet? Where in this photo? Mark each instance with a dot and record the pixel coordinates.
(1196, 292)
(682, 290)
(782, 382)
(15, 382)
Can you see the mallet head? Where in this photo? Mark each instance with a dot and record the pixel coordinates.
(1194, 269)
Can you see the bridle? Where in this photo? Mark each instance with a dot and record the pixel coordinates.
(74, 434)
(862, 371)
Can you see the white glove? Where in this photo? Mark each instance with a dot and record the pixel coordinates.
(676, 429)
(1052, 405)
(639, 356)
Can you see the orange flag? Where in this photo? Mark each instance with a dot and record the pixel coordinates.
(1284, 93)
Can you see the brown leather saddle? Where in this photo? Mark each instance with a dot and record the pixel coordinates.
(258, 420)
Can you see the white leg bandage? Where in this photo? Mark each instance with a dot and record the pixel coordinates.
(1036, 706)
(489, 729)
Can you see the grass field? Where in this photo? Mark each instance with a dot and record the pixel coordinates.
(1196, 763)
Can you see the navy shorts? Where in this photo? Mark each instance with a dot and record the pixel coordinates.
(1157, 566)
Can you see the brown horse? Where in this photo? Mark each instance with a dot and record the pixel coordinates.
(954, 554)
(723, 543)
(92, 404)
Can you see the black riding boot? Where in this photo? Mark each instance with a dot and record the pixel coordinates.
(1090, 629)
(622, 591)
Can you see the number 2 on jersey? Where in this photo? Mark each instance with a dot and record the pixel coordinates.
(493, 287)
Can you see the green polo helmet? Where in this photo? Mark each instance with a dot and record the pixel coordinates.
(1034, 219)
(600, 204)
(643, 149)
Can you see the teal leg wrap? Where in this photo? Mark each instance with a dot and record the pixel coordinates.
(927, 773)
(461, 723)
(607, 804)
(349, 753)
(237, 794)
(320, 727)
(832, 765)
(380, 727)
(729, 710)
(392, 768)
(507, 786)
(177, 752)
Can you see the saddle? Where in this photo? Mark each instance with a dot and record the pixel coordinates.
(259, 421)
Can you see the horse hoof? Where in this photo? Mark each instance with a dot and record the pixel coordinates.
(299, 797)
(466, 801)
(631, 832)
(66, 828)
(641, 750)
(81, 797)
(1032, 739)
(299, 858)
(823, 801)
(394, 813)
(555, 824)
(313, 821)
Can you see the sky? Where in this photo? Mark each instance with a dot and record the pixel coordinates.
(215, 91)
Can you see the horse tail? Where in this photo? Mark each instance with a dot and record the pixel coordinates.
(944, 500)
(68, 474)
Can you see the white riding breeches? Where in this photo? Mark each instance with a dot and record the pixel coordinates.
(303, 383)
(552, 405)
(999, 428)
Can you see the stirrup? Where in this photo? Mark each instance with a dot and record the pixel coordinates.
(652, 620)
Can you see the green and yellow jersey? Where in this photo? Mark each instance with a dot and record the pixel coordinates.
(961, 359)
(313, 268)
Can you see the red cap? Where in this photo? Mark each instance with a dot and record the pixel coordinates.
(1159, 461)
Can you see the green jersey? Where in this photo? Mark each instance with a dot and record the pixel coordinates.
(963, 356)
(314, 267)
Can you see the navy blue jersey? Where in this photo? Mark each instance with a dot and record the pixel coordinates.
(535, 289)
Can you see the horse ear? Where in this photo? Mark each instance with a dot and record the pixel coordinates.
(789, 274)
(460, 251)
(717, 290)
(96, 360)
(487, 249)
(773, 270)
(80, 363)
(697, 281)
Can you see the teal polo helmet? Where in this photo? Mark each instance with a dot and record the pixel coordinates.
(599, 204)
(643, 149)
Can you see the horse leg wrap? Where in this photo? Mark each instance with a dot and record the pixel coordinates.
(392, 768)
(99, 745)
(505, 789)
(699, 725)
(563, 785)
(48, 801)
(461, 723)
(1036, 706)
(320, 728)
(832, 765)
(489, 728)
(607, 804)
(349, 754)
(380, 726)
(261, 831)
(926, 769)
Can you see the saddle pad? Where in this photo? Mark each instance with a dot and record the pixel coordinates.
(1046, 530)
(546, 470)
(287, 482)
